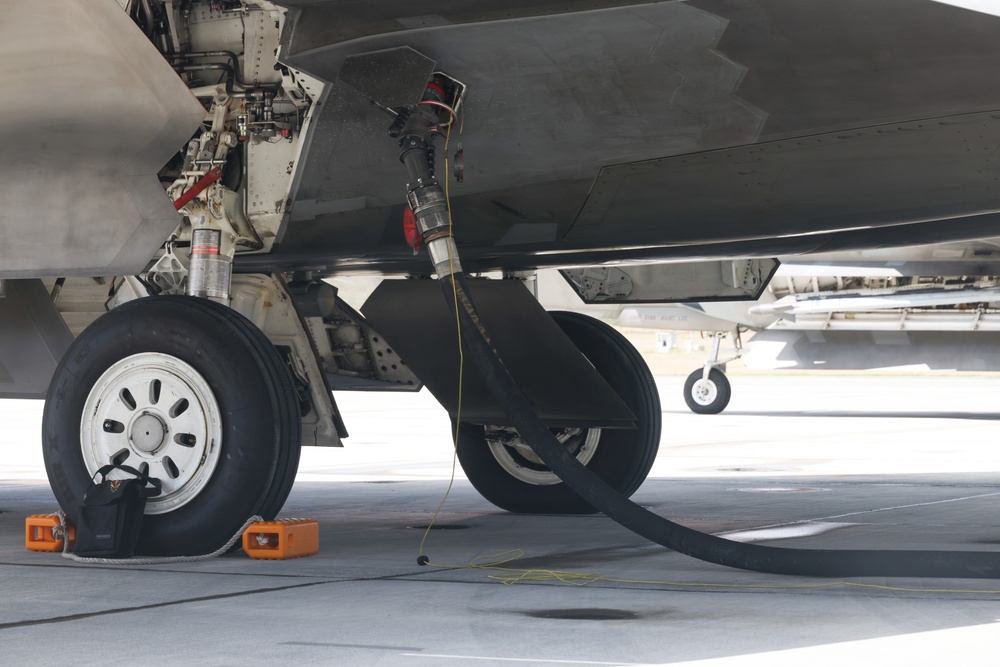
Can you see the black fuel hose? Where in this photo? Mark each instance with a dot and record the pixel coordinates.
(710, 548)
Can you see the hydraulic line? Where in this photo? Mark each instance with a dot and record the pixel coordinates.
(231, 69)
(230, 73)
(432, 221)
(232, 57)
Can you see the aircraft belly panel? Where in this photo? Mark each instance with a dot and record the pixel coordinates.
(326, 22)
(882, 176)
(580, 127)
(91, 113)
(549, 98)
(820, 65)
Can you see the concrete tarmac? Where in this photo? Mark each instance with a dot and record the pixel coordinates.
(903, 462)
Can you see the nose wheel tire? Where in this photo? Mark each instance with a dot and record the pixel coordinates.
(508, 474)
(190, 392)
(707, 396)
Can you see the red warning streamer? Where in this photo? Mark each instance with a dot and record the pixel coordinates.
(204, 182)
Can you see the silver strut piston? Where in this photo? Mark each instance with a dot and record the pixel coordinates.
(209, 275)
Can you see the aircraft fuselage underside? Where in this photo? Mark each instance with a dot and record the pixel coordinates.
(663, 130)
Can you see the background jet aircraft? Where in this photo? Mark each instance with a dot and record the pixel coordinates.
(918, 307)
(210, 160)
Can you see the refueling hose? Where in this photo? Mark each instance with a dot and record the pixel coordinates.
(432, 221)
(759, 558)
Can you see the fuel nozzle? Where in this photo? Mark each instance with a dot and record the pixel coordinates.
(424, 195)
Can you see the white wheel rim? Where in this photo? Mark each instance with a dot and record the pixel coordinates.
(704, 392)
(154, 412)
(520, 462)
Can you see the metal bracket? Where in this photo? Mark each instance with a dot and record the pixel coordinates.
(170, 272)
(265, 301)
(352, 355)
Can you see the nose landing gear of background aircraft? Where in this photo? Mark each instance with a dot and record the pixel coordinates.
(707, 390)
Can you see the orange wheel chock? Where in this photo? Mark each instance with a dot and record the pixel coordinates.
(281, 539)
(43, 532)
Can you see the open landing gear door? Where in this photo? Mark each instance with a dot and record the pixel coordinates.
(563, 386)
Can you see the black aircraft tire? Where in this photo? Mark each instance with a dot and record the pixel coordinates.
(289, 423)
(217, 379)
(714, 393)
(623, 457)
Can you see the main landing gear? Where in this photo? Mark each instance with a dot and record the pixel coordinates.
(189, 391)
(707, 390)
(505, 470)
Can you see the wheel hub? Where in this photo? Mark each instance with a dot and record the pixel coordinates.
(156, 413)
(704, 392)
(147, 433)
(516, 457)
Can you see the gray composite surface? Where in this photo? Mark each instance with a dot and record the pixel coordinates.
(823, 461)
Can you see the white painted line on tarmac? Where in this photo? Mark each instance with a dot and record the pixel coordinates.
(820, 520)
(532, 660)
(903, 507)
(782, 532)
(817, 526)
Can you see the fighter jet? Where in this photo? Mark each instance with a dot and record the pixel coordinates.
(197, 167)
(916, 308)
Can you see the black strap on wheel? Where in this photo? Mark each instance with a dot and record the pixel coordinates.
(151, 485)
(759, 558)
